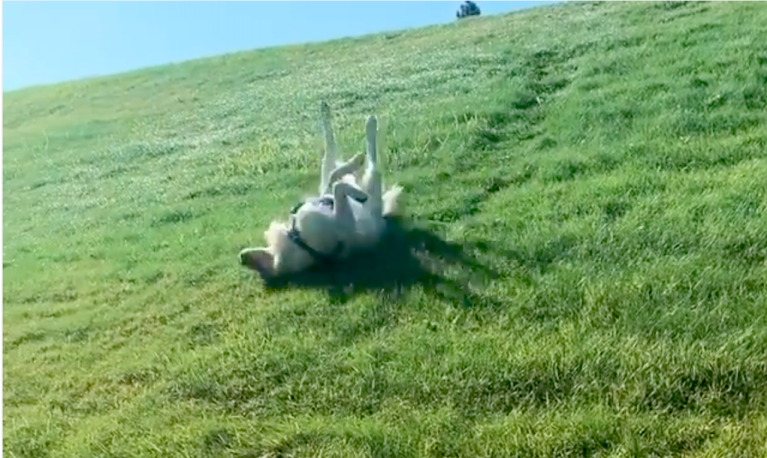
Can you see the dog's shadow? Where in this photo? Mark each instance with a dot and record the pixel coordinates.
(407, 256)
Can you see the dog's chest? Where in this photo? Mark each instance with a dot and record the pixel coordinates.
(325, 205)
(322, 204)
(365, 226)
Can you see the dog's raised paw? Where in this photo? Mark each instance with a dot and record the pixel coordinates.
(358, 160)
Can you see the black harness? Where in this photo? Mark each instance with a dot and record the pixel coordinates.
(295, 236)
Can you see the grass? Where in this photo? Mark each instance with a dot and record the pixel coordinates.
(590, 181)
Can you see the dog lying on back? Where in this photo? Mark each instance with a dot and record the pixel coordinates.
(347, 217)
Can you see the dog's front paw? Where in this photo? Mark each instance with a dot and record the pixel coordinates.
(351, 166)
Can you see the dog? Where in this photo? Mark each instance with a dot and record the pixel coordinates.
(348, 217)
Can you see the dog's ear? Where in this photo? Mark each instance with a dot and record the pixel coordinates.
(260, 260)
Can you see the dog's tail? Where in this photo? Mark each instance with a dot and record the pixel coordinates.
(392, 201)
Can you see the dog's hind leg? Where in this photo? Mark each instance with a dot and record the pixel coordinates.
(329, 160)
(371, 181)
(342, 210)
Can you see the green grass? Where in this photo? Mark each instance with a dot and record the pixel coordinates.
(605, 163)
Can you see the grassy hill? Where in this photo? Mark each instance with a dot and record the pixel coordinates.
(599, 172)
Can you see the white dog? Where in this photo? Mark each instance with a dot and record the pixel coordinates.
(346, 218)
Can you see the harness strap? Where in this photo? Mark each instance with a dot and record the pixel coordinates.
(295, 236)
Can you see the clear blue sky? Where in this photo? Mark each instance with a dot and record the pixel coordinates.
(48, 42)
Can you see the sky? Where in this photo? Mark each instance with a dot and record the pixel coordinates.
(49, 42)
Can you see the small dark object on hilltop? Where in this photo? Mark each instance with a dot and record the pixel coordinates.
(467, 9)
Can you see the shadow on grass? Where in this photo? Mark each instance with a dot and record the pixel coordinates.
(407, 257)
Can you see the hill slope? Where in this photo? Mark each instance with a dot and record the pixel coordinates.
(605, 163)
